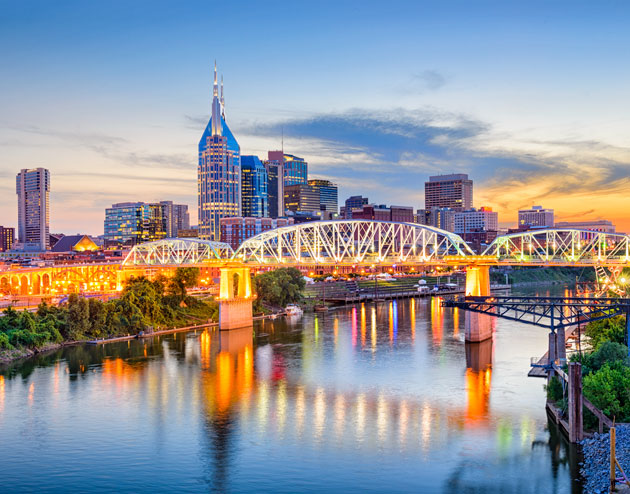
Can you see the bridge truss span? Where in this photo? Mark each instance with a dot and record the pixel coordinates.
(560, 246)
(352, 242)
(177, 251)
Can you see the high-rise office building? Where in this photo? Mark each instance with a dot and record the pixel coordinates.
(33, 191)
(219, 170)
(536, 217)
(275, 188)
(294, 169)
(443, 218)
(301, 197)
(449, 191)
(176, 217)
(353, 202)
(130, 223)
(482, 219)
(7, 237)
(254, 182)
(327, 195)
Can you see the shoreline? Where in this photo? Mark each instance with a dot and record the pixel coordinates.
(10, 356)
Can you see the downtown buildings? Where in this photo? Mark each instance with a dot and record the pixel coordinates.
(33, 191)
(536, 217)
(129, 223)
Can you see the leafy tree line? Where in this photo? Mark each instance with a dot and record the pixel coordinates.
(605, 371)
(143, 304)
(278, 288)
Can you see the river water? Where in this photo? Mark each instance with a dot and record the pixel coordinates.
(370, 398)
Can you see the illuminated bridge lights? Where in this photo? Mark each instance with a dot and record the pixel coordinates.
(178, 251)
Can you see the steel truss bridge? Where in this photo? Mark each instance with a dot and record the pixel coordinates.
(177, 251)
(368, 242)
(547, 312)
(331, 244)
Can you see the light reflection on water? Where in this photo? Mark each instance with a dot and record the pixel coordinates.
(375, 398)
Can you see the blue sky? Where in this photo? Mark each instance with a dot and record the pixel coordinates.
(529, 98)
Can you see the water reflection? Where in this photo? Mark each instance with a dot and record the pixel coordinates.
(392, 383)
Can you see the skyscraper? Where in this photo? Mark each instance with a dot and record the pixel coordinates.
(33, 191)
(176, 217)
(219, 170)
(449, 191)
(294, 169)
(327, 195)
(255, 203)
(535, 217)
(135, 222)
(275, 188)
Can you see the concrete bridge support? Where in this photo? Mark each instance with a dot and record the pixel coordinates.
(235, 298)
(479, 327)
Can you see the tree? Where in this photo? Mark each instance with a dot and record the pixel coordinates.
(78, 322)
(280, 287)
(609, 390)
(182, 279)
(612, 329)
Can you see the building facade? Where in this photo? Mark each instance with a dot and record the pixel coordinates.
(235, 231)
(129, 223)
(353, 202)
(449, 191)
(328, 195)
(254, 183)
(443, 218)
(218, 171)
(7, 238)
(536, 217)
(594, 225)
(294, 168)
(301, 197)
(176, 218)
(380, 212)
(33, 190)
(275, 188)
(474, 220)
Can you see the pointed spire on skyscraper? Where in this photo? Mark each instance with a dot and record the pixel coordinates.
(222, 100)
(217, 128)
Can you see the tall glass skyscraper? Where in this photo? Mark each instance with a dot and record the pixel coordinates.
(219, 170)
(130, 223)
(255, 203)
(33, 190)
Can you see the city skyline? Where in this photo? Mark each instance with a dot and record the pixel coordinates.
(523, 120)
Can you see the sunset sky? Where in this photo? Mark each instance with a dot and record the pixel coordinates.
(531, 99)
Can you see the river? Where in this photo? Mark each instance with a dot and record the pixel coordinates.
(370, 398)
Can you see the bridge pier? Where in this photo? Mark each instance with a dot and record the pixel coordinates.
(235, 298)
(479, 327)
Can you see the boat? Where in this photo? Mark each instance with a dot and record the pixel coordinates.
(293, 310)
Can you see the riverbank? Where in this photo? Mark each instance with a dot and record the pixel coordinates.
(9, 356)
(596, 466)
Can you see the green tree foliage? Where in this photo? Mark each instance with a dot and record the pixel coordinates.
(142, 304)
(280, 287)
(612, 329)
(609, 390)
(608, 352)
(182, 279)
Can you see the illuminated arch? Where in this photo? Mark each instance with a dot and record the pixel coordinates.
(561, 245)
(352, 242)
(177, 251)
